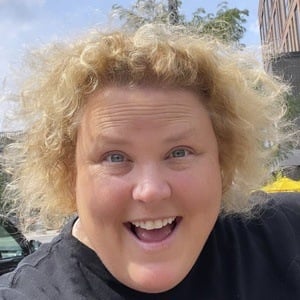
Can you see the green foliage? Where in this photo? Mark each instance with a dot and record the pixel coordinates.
(293, 117)
(142, 12)
(293, 108)
(226, 23)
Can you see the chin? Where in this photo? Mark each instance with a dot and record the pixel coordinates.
(158, 286)
(149, 280)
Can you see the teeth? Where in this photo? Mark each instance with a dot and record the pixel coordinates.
(156, 224)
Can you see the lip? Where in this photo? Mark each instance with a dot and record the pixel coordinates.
(155, 246)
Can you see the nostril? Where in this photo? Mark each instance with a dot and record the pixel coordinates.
(149, 191)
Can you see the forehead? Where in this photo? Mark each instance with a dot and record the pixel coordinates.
(126, 113)
(123, 112)
(121, 103)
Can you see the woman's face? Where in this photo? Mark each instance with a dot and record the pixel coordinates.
(148, 184)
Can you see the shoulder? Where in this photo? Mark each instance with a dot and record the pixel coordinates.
(264, 245)
(287, 203)
(280, 210)
(44, 260)
(45, 273)
(270, 233)
(37, 274)
(31, 274)
(288, 206)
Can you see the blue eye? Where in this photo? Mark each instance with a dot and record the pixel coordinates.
(115, 158)
(179, 153)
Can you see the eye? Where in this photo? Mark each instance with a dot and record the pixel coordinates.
(115, 157)
(115, 163)
(179, 152)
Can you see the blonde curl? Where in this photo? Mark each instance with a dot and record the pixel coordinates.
(245, 103)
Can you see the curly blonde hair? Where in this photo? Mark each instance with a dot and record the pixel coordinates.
(245, 103)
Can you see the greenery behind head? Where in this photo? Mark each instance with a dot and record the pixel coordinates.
(246, 106)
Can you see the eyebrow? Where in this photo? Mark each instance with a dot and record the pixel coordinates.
(121, 140)
(102, 138)
(178, 136)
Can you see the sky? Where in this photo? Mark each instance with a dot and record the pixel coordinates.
(26, 24)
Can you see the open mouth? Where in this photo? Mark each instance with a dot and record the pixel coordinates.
(153, 231)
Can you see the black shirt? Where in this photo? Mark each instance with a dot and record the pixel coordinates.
(244, 258)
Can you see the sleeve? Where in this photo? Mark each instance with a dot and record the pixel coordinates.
(11, 294)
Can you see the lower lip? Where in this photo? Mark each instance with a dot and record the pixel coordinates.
(155, 246)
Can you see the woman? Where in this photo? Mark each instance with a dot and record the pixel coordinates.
(155, 140)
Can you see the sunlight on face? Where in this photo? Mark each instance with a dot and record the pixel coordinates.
(148, 185)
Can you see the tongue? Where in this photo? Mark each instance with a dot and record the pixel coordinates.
(154, 235)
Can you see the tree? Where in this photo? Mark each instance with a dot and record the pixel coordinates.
(142, 12)
(293, 108)
(226, 23)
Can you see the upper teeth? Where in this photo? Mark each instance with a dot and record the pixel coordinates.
(155, 224)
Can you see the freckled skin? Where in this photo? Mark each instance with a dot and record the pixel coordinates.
(146, 154)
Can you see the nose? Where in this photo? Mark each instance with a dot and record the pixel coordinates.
(151, 186)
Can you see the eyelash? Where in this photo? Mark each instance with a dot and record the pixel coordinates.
(178, 149)
(108, 157)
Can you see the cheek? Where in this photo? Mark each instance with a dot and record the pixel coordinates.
(201, 203)
(200, 186)
(99, 195)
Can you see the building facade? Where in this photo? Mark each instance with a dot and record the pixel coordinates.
(279, 23)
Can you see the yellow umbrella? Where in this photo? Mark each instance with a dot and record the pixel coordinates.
(282, 184)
